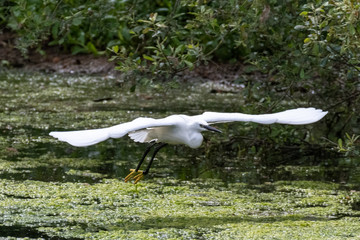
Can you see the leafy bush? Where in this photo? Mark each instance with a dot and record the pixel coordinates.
(179, 36)
(154, 36)
(333, 34)
(79, 26)
(173, 35)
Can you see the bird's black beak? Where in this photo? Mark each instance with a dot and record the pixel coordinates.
(207, 127)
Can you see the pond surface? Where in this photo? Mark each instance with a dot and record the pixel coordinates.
(50, 189)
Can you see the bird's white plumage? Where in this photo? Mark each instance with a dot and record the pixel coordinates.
(182, 129)
(85, 138)
(82, 138)
(297, 116)
(141, 135)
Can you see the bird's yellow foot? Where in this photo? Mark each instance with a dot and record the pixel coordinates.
(137, 176)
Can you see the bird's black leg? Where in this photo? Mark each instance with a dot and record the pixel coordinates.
(144, 156)
(153, 156)
(135, 173)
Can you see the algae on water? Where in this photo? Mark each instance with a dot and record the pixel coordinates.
(51, 189)
(164, 208)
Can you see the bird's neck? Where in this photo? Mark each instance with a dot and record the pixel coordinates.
(195, 140)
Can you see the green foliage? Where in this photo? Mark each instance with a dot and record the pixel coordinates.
(74, 25)
(350, 146)
(332, 35)
(178, 37)
(155, 37)
(31, 26)
(292, 40)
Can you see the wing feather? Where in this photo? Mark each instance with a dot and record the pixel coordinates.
(143, 135)
(294, 117)
(85, 138)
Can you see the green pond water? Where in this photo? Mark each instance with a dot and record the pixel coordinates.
(223, 190)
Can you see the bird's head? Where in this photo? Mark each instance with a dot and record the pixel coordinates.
(204, 126)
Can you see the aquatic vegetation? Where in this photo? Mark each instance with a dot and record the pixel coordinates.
(180, 209)
(231, 187)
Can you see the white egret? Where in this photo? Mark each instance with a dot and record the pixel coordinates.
(179, 129)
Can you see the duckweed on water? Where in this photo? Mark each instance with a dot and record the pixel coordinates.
(50, 189)
(179, 209)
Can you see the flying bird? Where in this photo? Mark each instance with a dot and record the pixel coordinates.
(179, 129)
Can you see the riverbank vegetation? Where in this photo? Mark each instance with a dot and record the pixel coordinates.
(287, 39)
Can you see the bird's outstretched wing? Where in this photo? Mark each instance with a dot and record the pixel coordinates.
(294, 117)
(85, 138)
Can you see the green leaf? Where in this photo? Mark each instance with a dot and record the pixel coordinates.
(161, 25)
(189, 64)
(324, 61)
(179, 49)
(315, 50)
(112, 58)
(348, 136)
(81, 38)
(302, 74)
(115, 48)
(307, 40)
(61, 41)
(77, 21)
(91, 47)
(324, 24)
(151, 47)
(78, 49)
(144, 21)
(343, 49)
(340, 143)
(352, 29)
(148, 58)
(146, 30)
(133, 87)
(55, 30)
(299, 27)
